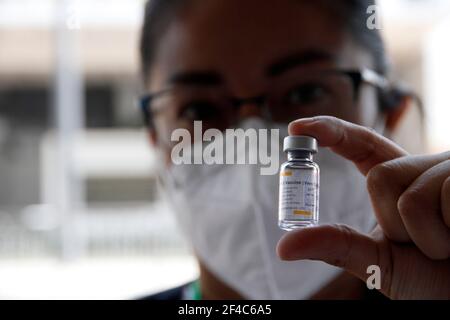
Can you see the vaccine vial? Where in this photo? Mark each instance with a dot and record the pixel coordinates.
(299, 184)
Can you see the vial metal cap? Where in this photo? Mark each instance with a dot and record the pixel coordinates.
(304, 143)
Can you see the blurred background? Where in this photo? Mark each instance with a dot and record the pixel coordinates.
(80, 215)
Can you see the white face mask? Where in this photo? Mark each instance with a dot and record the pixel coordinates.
(230, 215)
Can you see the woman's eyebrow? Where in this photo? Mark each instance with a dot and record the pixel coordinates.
(196, 78)
(289, 62)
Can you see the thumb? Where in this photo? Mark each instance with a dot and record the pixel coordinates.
(337, 245)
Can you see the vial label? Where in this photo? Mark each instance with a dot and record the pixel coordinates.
(299, 190)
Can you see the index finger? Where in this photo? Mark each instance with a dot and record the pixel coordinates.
(361, 145)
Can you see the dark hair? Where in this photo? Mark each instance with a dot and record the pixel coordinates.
(157, 16)
(352, 13)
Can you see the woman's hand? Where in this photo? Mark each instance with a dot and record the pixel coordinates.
(411, 200)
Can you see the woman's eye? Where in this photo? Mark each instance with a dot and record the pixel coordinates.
(305, 94)
(199, 111)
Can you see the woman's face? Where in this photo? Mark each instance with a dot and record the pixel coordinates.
(283, 49)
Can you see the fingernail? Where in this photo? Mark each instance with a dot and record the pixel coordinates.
(302, 121)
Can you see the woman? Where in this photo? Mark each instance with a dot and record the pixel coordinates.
(262, 64)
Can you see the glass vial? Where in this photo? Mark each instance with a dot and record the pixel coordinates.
(299, 184)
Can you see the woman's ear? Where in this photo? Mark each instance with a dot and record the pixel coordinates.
(156, 145)
(395, 114)
(152, 136)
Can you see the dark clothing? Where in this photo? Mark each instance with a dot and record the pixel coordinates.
(178, 293)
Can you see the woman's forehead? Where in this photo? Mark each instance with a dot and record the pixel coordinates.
(245, 36)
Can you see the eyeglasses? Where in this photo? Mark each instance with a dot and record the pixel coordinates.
(306, 94)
